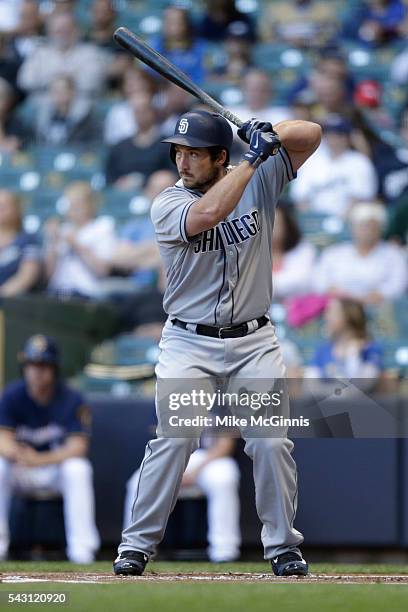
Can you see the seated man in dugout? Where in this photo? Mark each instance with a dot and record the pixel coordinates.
(44, 442)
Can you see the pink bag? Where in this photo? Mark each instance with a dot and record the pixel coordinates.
(304, 308)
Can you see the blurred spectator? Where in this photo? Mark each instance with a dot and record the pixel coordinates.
(212, 471)
(397, 229)
(136, 252)
(100, 33)
(137, 255)
(399, 68)
(59, 6)
(20, 255)
(120, 122)
(218, 16)
(44, 442)
(376, 22)
(64, 118)
(367, 96)
(136, 158)
(78, 251)
(173, 102)
(390, 161)
(367, 269)
(102, 26)
(257, 99)
(232, 64)
(9, 15)
(62, 53)
(336, 177)
(301, 23)
(329, 96)
(13, 132)
(179, 45)
(349, 352)
(404, 125)
(9, 64)
(293, 258)
(332, 64)
(29, 31)
(302, 110)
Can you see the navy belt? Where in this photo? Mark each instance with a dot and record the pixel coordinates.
(229, 331)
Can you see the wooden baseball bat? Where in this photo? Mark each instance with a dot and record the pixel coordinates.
(137, 47)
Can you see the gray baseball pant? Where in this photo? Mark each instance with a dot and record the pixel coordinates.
(186, 355)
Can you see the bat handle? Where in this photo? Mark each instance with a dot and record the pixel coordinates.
(233, 118)
(220, 109)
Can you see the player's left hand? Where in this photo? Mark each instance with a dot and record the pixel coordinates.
(248, 128)
(262, 145)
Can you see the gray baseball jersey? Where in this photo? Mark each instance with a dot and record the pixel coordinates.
(222, 276)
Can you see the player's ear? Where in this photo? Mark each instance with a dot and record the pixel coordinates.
(221, 158)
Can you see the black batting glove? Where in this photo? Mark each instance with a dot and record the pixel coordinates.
(248, 128)
(262, 146)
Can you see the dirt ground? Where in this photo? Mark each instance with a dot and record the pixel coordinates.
(98, 578)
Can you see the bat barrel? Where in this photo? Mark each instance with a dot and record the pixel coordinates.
(138, 48)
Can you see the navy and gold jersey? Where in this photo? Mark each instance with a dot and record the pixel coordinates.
(44, 427)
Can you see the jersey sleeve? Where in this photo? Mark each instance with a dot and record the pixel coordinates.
(274, 174)
(169, 214)
(8, 416)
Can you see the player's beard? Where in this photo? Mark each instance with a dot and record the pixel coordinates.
(204, 185)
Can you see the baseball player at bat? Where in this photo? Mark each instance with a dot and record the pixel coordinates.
(214, 230)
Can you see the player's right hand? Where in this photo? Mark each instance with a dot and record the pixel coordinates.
(248, 128)
(262, 145)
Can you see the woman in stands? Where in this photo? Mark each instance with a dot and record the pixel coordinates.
(20, 255)
(178, 44)
(349, 351)
(78, 251)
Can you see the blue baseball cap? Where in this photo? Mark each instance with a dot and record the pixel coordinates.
(40, 349)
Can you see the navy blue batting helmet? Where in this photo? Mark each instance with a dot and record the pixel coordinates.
(40, 349)
(201, 129)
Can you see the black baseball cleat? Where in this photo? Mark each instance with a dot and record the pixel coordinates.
(289, 564)
(130, 563)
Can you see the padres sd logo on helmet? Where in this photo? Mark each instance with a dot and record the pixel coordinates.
(183, 126)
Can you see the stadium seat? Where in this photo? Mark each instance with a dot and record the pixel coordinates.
(45, 203)
(63, 159)
(125, 350)
(122, 205)
(388, 320)
(274, 56)
(322, 229)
